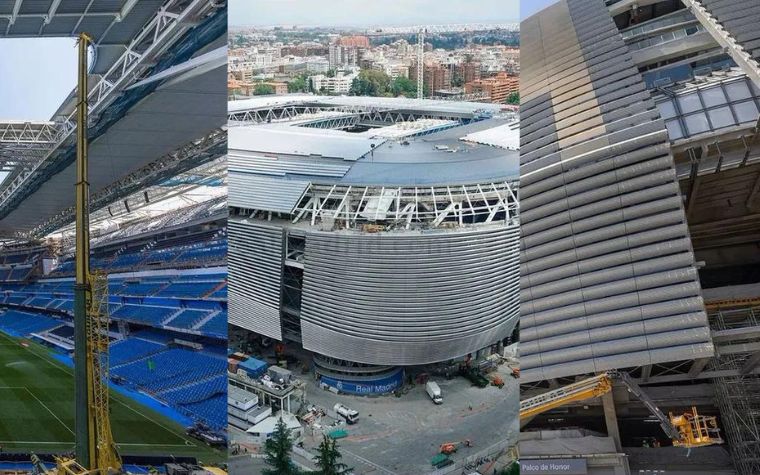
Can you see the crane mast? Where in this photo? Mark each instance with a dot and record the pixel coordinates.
(95, 448)
(420, 63)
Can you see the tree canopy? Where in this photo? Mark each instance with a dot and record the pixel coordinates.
(328, 459)
(262, 89)
(277, 451)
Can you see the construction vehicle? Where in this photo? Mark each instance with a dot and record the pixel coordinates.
(348, 414)
(685, 430)
(434, 391)
(475, 377)
(448, 448)
(441, 460)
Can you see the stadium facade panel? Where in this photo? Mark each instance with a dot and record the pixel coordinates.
(255, 263)
(409, 298)
(608, 276)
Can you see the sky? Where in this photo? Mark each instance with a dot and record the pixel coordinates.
(529, 7)
(36, 75)
(370, 12)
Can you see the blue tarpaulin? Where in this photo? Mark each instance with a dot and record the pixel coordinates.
(253, 367)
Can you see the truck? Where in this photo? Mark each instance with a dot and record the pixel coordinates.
(434, 392)
(348, 414)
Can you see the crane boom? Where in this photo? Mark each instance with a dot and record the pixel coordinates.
(687, 430)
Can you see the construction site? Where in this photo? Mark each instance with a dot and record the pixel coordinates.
(640, 188)
(387, 231)
(113, 244)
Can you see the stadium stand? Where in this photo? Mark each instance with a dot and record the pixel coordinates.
(25, 323)
(168, 312)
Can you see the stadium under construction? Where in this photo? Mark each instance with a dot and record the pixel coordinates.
(386, 232)
(157, 226)
(640, 188)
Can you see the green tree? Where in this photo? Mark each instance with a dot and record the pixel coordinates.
(277, 451)
(330, 73)
(328, 459)
(299, 83)
(514, 98)
(402, 86)
(370, 82)
(263, 89)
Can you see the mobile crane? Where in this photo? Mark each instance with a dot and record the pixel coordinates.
(689, 429)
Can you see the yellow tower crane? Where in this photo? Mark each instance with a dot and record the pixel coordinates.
(689, 429)
(96, 452)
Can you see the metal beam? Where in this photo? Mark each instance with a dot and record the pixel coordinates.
(163, 30)
(731, 334)
(725, 40)
(203, 150)
(674, 378)
(646, 372)
(696, 367)
(751, 363)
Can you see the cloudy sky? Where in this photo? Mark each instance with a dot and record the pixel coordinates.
(529, 7)
(36, 76)
(370, 12)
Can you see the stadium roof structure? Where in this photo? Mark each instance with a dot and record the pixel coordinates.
(149, 58)
(392, 146)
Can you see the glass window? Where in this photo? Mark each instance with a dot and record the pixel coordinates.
(746, 112)
(667, 109)
(696, 123)
(674, 129)
(738, 90)
(721, 117)
(689, 103)
(755, 89)
(713, 97)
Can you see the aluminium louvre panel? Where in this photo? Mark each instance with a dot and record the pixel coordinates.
(246, 162)
(265, 193)
(409, 298)
(607, 269)
(255, 257)
(740, 19)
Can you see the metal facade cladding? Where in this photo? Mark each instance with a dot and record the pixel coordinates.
(607, 270)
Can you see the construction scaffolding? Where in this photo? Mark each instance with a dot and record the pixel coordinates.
(738, 397)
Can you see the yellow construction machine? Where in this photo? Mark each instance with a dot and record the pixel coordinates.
(689, 429)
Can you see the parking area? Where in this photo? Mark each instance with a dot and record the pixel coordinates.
(402, 434)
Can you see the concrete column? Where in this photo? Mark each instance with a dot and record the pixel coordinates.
(610, 419)
(613, 431)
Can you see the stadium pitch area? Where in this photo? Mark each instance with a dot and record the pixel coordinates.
(37, 410)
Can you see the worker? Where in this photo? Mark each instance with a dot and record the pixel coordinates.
(655, 443)
(645, 443)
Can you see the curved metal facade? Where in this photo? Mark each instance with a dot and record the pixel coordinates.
(255, 267)
(409, 297)
(607, 270)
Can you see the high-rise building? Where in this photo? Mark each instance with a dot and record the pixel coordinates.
(435, 77)
(640, 176)
(498, 87)
(356, 41)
